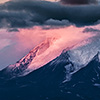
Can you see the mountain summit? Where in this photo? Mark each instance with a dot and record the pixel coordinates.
(76, 58)
(22, 66)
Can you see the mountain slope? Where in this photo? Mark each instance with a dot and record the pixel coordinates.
(47, 82)
(21, 66)
(85, 84)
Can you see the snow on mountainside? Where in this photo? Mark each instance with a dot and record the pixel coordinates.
(82, 55)
(79, 57)
(76, 59)
(41, 55)
(20, 66)
(80, 51)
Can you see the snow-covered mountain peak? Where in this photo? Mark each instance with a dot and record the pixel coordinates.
(20, 66)
(50, 49)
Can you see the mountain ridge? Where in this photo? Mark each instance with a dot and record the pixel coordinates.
(52, 78)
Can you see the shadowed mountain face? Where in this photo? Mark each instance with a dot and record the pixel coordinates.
(48, 82)
(85, 84)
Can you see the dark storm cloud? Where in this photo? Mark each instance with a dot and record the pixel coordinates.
(19, 14)
(57, 22)
(79, 1)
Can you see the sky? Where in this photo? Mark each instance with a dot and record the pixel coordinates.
(24, 24)
(3, 1)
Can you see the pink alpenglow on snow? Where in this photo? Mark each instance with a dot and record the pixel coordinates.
(51, 43)
(55, 41)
